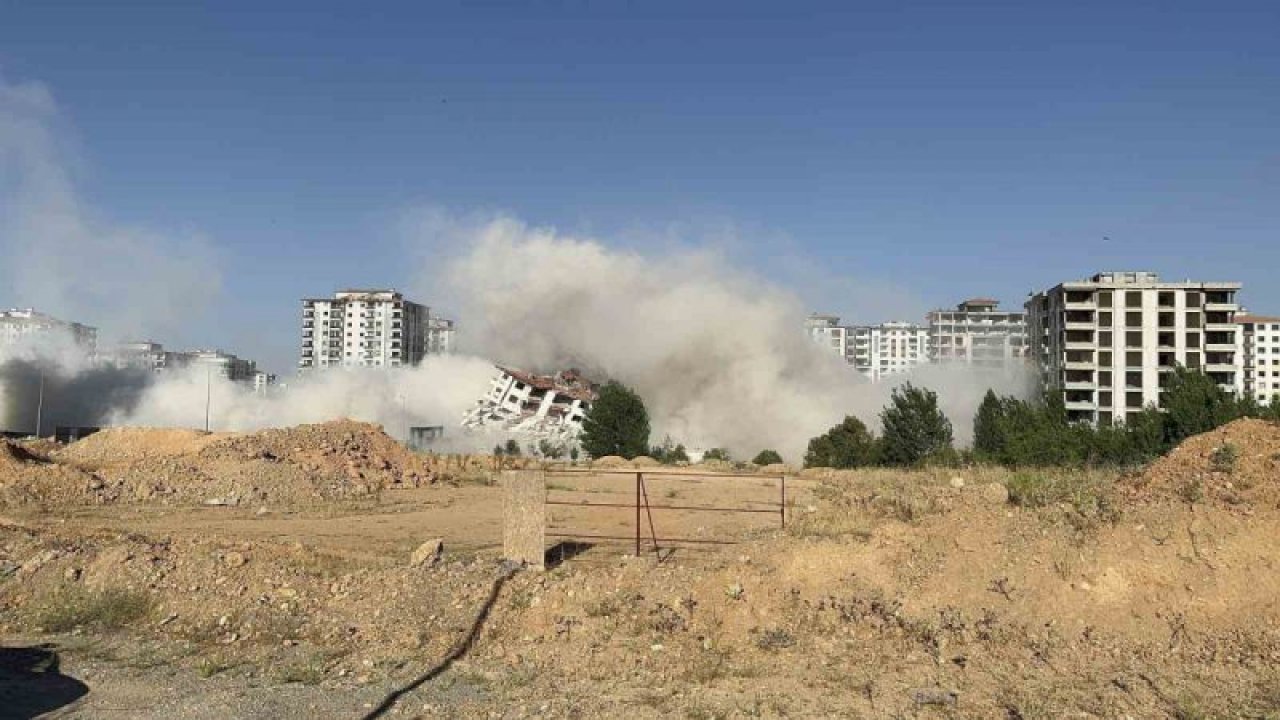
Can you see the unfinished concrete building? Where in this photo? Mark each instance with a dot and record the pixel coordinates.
(1109, 343)
(978, 333)
(535, 407)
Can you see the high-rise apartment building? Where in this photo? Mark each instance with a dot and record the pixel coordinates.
(222, 363)
(374, 328)
(887, 349)
(1109, 343)
(18, 325)
(977, 333)
(442, 336)
(827, 331)
(1260, 339)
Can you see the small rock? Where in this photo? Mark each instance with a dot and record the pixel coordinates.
(957, 482)
(428, 553)
(262, 511)
(934, 696)
(72, 574)
(234, 559)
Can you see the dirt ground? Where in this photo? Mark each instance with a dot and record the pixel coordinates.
(974, 593)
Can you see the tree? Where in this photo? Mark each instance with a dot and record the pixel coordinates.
(768, 457)
(512, 448)
(497, 450)
(678, 455)
(616, 424)
(716, 453)
(988, 436)
(913, 428)
(1193, 404)
(846, 445)
(548, 449)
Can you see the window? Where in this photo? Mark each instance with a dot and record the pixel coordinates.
(1193, 320)
(1133, 299)
(1104, 298)
(1133, 399)
(1104, 338)
(1133, 379)
(1104, 358)
(1133, 359)
(1193, 359)
(1133, 338)
(1193, 340)
(1165, 299)
(1193, 299)
(1104, 379)
(1104, 318)
(1133, 319)
(1104, 399)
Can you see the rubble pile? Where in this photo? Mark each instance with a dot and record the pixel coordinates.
(1237, 464)
(334, 460)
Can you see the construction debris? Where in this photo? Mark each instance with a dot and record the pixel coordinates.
(536, 408)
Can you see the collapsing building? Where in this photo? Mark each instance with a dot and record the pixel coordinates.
(536, 407)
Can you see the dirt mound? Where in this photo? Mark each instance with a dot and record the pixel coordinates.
(340, 459)
(27, 477)
(115, 446)
(609, 461)
(1237, 464)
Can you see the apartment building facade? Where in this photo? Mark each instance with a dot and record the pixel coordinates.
(1109, 343)
(878, 351)
(442, 336)
(1260, 343)
(219, 362)
(827, 331)
(977, 333)
(28, 324)
(363, 328)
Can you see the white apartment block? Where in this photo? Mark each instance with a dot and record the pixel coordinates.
(218, 362)
(827, 331)
(977, 333)
(1109, 343)
(363, 328)
(889, 348)
(145, 355)
(1261, 342)
(875, 351)
(18, 325)
(441, 336)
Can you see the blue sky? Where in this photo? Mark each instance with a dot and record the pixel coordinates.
(936, 150)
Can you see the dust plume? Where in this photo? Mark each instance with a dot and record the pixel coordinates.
(718, 355)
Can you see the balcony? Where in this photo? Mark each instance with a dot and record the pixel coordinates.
(1220, 347)
(1084, 405)
(1217, 366)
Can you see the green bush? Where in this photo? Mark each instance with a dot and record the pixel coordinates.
(616, 424)
(720, 454)
(767, 457)
(847, 445)
(912, 427)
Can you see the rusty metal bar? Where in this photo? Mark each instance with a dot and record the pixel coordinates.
(649, 511)
(769, 510)
(628, 537)
(625, 471)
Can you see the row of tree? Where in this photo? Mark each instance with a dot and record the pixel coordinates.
(914, 431)
(1014, 432)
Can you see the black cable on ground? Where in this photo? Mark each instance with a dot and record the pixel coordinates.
(505, 572)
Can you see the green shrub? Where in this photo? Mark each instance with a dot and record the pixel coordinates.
(1224, 459)
(767, 457)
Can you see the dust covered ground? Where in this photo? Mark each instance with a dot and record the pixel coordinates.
(951, 593)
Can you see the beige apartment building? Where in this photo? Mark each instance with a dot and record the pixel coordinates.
(1109, 343)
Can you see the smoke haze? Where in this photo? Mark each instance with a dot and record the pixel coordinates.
(718, 354)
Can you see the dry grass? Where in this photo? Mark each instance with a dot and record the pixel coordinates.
(68, 607)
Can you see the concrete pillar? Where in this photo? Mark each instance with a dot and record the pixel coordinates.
(524, 516)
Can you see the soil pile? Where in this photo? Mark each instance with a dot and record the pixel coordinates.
(334, 460)
(1237, 464)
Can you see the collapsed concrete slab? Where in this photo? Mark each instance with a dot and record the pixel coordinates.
(535, 407)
